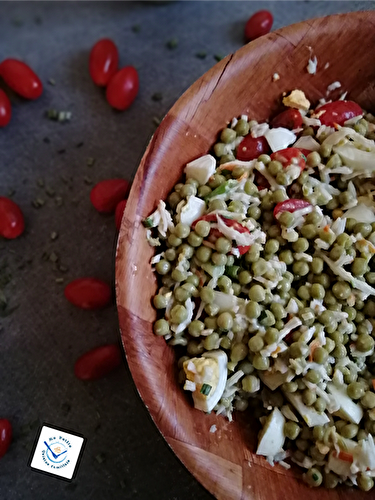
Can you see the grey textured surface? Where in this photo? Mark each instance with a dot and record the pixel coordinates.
(40, 341)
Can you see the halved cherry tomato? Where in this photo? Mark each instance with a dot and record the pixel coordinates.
(5, 435)
(5, 109)
(338, 112)
(106, 195)
(258, 25)
(21, 78)
(228, 222)
(290, 119)
(98, 362)
(251, 147)
(290, 205)
(103, 62)
(260, 181)
(12, 223)
(119, 213)
(290, 156)
(88, 293)
(123, 88)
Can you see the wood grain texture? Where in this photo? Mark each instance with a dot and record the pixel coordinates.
(224, 462)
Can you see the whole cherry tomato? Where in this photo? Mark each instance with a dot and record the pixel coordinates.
(5, 109)
(21, 78)
(119, 213)
(258, 25)
(290, 119)
(88, 293)
(338, 112)
(5, 435)
(98, 362)
(12, 223)
(106, 195)
(123, 88)
(251, 147)
(103, 62)
(290, 156)
(290, 205)
(215, 233)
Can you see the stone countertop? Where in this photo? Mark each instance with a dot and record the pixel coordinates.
(49, 161)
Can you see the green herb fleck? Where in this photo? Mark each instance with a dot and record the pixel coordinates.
(202, 54)
(136, 28)
(52, 81)
(100, 458)
(218, 57)
(148, 222)
(38, 202)
(88, 180)
(172, 44)
(60, 116)
(158, 96)
(205, 390)
(156, 121)
(90, 162)
(315, 477)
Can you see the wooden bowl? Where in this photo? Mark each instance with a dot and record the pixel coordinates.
(224, 461)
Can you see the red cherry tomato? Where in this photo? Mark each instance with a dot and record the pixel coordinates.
(5, 435)
(228, 222)
(290, 119)
(251, 147)
(5, 109)
(12, 223)
(305, 152)
(103, 62)
(21, 78)
(119, 213)
(106, 195)
(123, 88)
(290, 156)
(290, 206)
(338, 112)
(98, 362)
(88, 293)
(258, 25)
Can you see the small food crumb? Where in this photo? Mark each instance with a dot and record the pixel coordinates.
(213, 428)
(312, 65)
(297, 99)
(201, 54)
(333, 86)
(326, 66)
(172, 44)
(275, 77)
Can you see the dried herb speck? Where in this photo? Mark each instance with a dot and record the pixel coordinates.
(40, 182)
(218, 57)
(54, 236)
(172, 44)
(52, 81)
(201, 54)
(157, 96)
(136, 28)
(90, 162)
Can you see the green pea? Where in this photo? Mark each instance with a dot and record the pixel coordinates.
(317, 265)
(236, 206)
(286, 219)
(278, 310)
(254, 212)
(210, 323)
(256, 343)
(170, 254)
(313, 477)
(188, 190)
(225, 343)
(224, 283)
(341, 290)
(290, 386)
(291, 430)
(174, 241)
(259, 268)
(207, 294)
(267, 319)
(337, 337)
(318, 433)
(250, 383)
(204, 191)
(320, 405)
(160, 301)
(283, 178)
(274, 167)
(333, 203)
(271, 246)
(302, 444)
(301, 268)
(242, 127)
(211, 341)
(217, 205)
(349, 431)
(253, 310)
(246, 367)
(161, 327)
(219, 149)
(266, 159)
(360, 317)
(237, 172)
(244, 277)
(308, 397)
(212, 309)
(355, 390)
(267, 202)
(239, 352)
(313, 217)
(298, 350)
(317, 291)
(368, 400)
(227, 135)
(194, 239)
(363, 228)
(370, 278)
(163, 267)
(364, 342)
(203, 253)
(339, 351)
(286, 256)
(195, 348)
(257, 293)
(301, 245)
(252, 255)
(330, 480)
(173, 200)
(225, 321)
(236, 287)
(187, 250)
(365, 482)
(325, 150)
(303, 292)
(313, 159)
(309, 231)
(279, 195)
(202, 228)
(359, 266)
(195, 328)
(313, 376)
(178, 314)
(219, 259)
(232, 271)
(223, 245)
(250, 188)
(271, 336)
(260, 362)
(193, 279)
(181, 294)
(320, 355)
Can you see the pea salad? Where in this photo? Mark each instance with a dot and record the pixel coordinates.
(264, 255)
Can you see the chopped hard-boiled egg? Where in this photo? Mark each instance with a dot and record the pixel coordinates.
(206, 378)
(271, 438)
(297, 99)
(201, 169)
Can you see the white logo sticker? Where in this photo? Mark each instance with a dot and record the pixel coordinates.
(57, 452)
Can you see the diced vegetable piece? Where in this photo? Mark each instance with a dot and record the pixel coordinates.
(201, 169)
(272, 435)
(348, 409)
(279, 138)
(194, 208)
(308, 413)
(273, 380)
